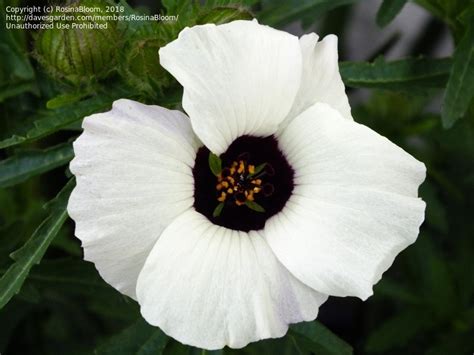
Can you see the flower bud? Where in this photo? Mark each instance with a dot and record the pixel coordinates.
(141, 68)
(80, 49)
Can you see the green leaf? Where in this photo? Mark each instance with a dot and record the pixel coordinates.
(13, 50)
(138, 339)
(218, 210)
(436, 280)
(53, 121)
(254, 206)
(236, 3)
(76, 278)
(174, 7)
(14, 60)
(16, 88)
(405, 75)
(26, 164)
(133, 26)
(215, 164)
(460, 89)
(318, 339)
(186, 9)
(388, 11)
(65, 99)
(222, 15)
(73, 275)
(288, 11)
(395, 290)
(16, 73)
(398, 330)
(447, 10)
(33, 250)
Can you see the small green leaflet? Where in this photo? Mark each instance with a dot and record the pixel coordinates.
(254, 206)
(215, 164)
(218, 210)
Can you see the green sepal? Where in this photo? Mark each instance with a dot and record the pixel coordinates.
(254, 206)
(215, 164)
(218, 210)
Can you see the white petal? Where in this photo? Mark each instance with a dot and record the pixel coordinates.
(209, 286)
(321, 81)
(239, 78)
(133, 167)
(353, 208)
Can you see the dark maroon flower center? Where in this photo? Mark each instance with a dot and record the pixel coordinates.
(253, 183)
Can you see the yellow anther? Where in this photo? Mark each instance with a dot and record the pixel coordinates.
(241, 167)
(235, 184)
(222, 197)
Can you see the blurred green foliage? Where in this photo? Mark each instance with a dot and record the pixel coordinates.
(424, 303)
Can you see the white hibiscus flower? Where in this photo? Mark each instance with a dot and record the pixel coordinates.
(307, 203)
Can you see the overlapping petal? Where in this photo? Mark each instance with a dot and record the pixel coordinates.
(354, 206)
(321, 81)
(239, 78)
(209, 286)
(133, 167)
